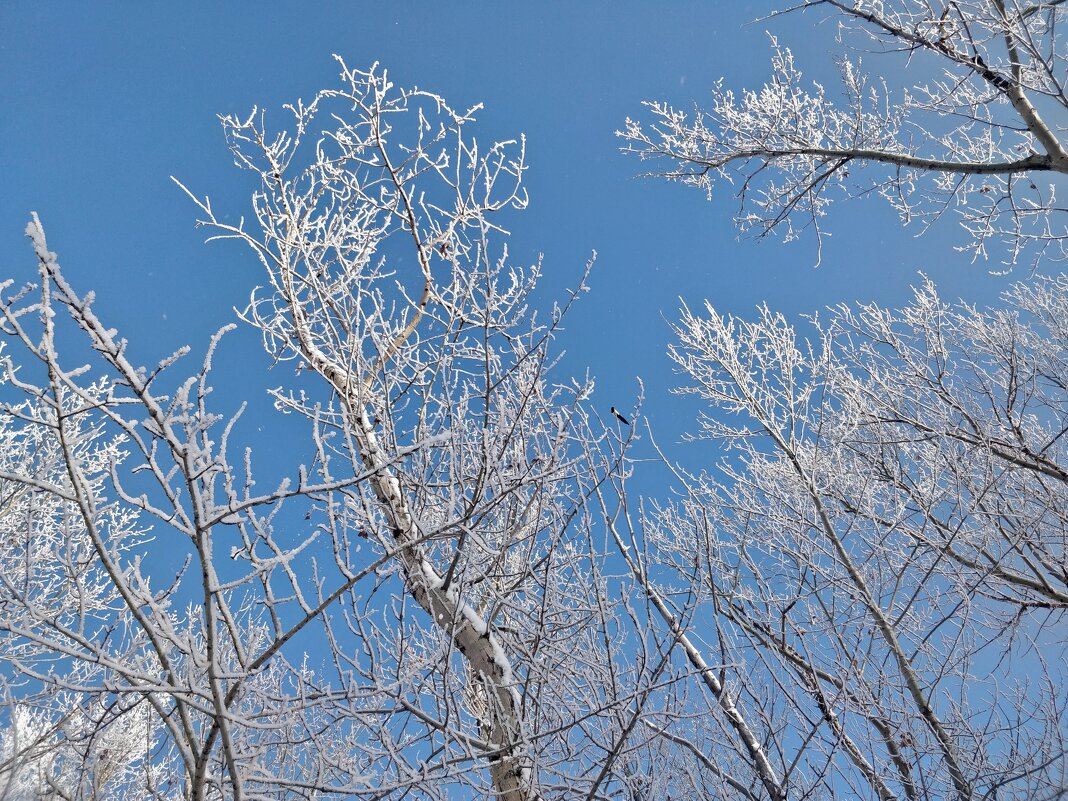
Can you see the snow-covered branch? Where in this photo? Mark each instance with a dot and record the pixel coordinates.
(971, 137)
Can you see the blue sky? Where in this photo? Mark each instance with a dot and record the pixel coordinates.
(102, 102)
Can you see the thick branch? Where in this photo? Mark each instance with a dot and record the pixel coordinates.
(1029, 164)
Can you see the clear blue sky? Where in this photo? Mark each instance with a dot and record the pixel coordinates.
(103, 101)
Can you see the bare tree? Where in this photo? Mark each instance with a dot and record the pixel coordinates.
(861, 600)
(422, 609)
(878, 561)
(974, 137)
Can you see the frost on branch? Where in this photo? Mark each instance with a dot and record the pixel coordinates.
(419, 608)
(970, 137)
(379, 223)
(880, 553)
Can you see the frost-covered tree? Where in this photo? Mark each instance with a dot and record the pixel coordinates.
(864, 599)
(421, 610)
(976, 134)
(878, 563)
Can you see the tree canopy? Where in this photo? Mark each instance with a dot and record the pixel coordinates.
(468, 588)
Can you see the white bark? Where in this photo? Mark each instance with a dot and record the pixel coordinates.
(423, 610)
